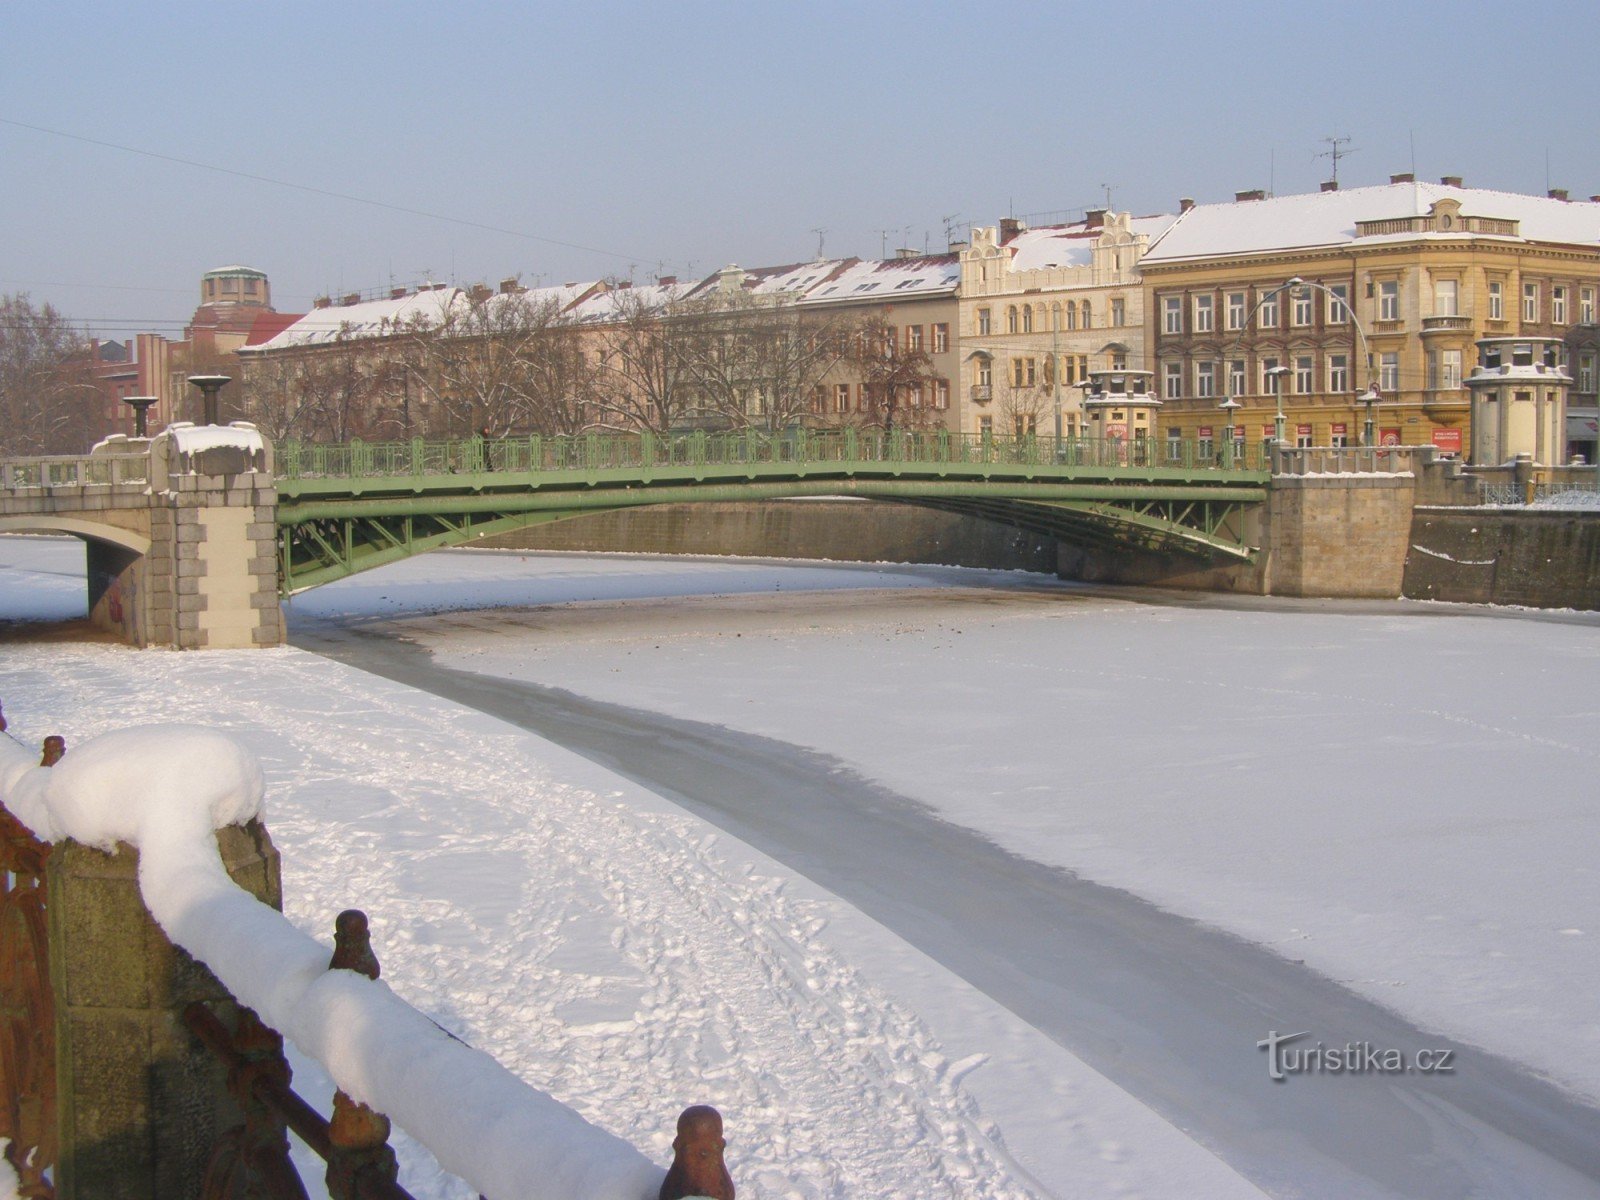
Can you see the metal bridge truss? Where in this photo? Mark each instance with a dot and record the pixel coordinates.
(327, 537)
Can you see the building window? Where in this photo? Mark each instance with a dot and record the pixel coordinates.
(1025, 424)
(1027, 318)
(914, 394)
(1269, 376)
(941, 393)
(1305, 375)
(1267, 314)
(1339, 304)
(985, 372)
(1338, 373)
(1174, 389)
(1586, 306)
(1205, 379)
(1497, 300)
(1302, 437)
(1205, 448)
(249, 287)
(1301, 311)
(1174, 443)
(1445, 298)
(1202, 313)
(1450, 369)
(1586, 372)
(1238, 309)
(1530, 302)
(1389, 371)
(211, 287)
(1011, 319)
(941, 338)
(1389, 300)
(984, 322)
(1119, 312)
(1172, 307)
(913, 338)
(986, 427)
(841, 397)
(1558, 305)
(1085, 315)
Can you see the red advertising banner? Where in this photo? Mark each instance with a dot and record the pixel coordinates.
(1447, 441)
(1389, 437)
(1203, 431)
(1303, 430)
(1268, 430)
(1341, 427)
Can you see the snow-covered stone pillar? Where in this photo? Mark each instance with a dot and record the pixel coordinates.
(213, 572)
(141, 1102)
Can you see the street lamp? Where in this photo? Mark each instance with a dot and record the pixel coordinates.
(1278, 419)
(1369, 397)
(1230, 407)
(209, 386)
(139, 404)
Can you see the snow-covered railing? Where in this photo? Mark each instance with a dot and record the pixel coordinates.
(65, 471)
(1343, 460)
(166, 792)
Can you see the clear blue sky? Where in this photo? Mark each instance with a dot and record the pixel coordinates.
(695, 134)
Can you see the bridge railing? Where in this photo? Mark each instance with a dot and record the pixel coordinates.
(66, 470)
(643, 452)
(1346, 460)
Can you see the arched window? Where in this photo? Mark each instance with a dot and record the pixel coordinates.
(1011, 319)
(1027, 318)
(1087, 315)
(1072, 315)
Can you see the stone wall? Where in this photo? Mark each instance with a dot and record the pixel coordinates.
(1543, 559)
(841, 530)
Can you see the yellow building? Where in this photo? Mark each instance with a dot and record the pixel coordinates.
(1041, 309)
(1341, 308)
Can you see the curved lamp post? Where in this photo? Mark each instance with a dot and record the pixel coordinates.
(1343, 302)
(1230, 407)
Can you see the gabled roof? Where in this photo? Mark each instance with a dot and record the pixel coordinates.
(370, 318)
(1322, 219)
(269, 325)
(1072, 245)
(889, 279)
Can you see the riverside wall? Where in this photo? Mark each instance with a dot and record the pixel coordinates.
(843, 530)
(1542, 559)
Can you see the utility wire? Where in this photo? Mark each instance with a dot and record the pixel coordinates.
(317, 191)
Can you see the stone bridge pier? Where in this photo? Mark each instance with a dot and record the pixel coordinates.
(181, 547)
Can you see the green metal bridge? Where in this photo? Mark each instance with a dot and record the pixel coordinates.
(347, 508)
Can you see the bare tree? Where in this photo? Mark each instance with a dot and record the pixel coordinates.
(757, 360)
(47, 392)
(896, 381)
(490, 360)
(1021, 407)
(645, 377)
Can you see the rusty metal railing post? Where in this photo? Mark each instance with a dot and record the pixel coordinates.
(697, 1167)
(55, 749)
(359, 1136)
(252, 1159)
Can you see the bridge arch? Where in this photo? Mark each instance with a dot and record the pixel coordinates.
(94, 531)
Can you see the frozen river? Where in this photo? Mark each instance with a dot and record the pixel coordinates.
(1332, 807)
(1057, 860)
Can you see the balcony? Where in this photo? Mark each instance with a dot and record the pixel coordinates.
(1456, 324)
(981, 393)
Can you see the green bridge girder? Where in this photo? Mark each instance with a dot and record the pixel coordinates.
(348, 508)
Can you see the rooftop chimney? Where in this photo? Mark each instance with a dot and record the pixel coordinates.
(1331, 185)
(1451, 180)
(1094, 218)
(479, 292)
(509, 286)
(907, 252)
(1253, 194)
(351, 298)
(1185, 204)
(1403, 177)
(1557, 193)
(667, 280)
(1009, 228)
(322, 302)
(397, 293)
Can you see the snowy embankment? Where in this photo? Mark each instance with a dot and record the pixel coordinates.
(164, 790)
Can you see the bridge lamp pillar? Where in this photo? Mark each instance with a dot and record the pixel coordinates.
(210, 386)
(139, 404)
(1278, 420)
(1369, 397)
(1230, 409)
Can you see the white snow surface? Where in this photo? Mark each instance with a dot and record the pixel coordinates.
(191, 439)
(8, 1177)
(603, 945)
(1405, 802)
(164, 790)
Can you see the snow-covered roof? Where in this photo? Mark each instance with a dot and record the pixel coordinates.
(611, 304)
(370, 318)
(1329, 219)
(1072, 245)
(890, 278)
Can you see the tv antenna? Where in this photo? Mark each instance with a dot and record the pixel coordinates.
(1336, 151)
(822, 234)
(1107, 188)
(949, 227)
(883, 241)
